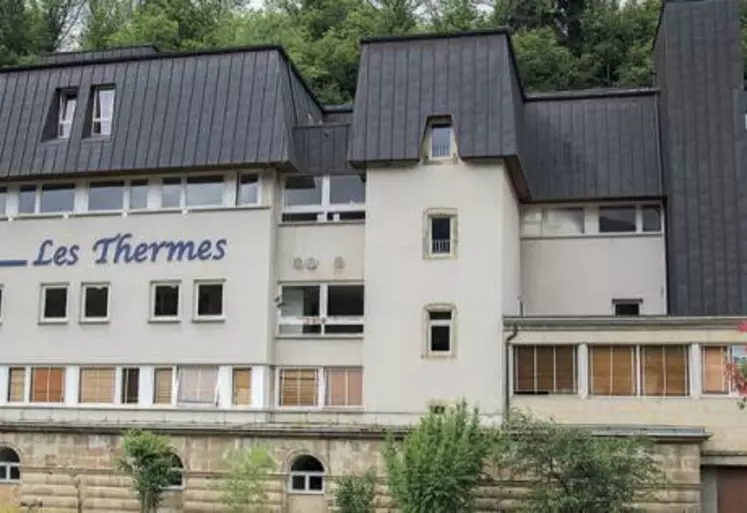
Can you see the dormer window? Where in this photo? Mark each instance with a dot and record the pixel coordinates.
(103, 111)
(440, 146)
(66, 113)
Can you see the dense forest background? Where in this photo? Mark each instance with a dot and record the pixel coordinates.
(560, 44)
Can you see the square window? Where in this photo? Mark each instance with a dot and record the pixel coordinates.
(27, 199)
(103, 196)
(130, 385)
(138, 195)
(205, 191)
(165, 304)
(103, 111)
(198, 384)
(440, 140)
(298, 482)
(209, 300)
(440, 328)
(247, 192)
(54, 303)
(441, 238)
(242, 387)
(95, 302)
(627, 307)
(344, 309)
(57, 198)
(171, 193)
(651, 218)
(97, 385)
(617, 220)
(347, 189)
(66, 113)
(300, 310)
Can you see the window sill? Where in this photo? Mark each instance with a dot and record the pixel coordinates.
(593, 236)
(437, 256)
(430, 355)
(322, 223)
(164, 320)
(305, 492)
(95, 321)
(209, 320)
(53, 322)
(41, 215)
(100, 213)
(343, 336)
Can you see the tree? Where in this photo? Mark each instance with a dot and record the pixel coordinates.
(242, 489)
(356, 493)
(438, 466)
(574, 470)
(148, 460)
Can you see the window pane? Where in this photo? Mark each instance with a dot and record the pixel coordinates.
(15, 473)
(611, 370)
(205, 191)
(55, 303)
(439, 315)
(298, 483)
(298, 387)
(440, 140)
(440, 338)
(316, 483)
(345, 300)
(248, 190)
(166, 301)
(303, 190)
(96, 302)
(242, 387)
(27, 199)
(57, 198)
(104, 103)
(163, 385)
(616, 220)
(545, 368)
(627, 308)
(300, 301)
(3, 200)
(210, 299)
(16, 384)
(47, 384)
(138, 194)
(524, 370)
(130, 385)
(198, 384)
(346, 189)
(651, 219)
(563, 221)
(106, 196)
(97, 385)
(171, 193)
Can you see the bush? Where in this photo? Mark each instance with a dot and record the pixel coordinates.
(242, 489)
(356, 493)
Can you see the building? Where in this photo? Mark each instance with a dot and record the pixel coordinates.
(192, 243)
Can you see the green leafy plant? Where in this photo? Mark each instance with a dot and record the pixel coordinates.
(573, 469)
(149, 462)
(242, 489)
(438, 466)
(356, 493)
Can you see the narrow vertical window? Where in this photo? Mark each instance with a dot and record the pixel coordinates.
(440, 237)
(130, 385)
(163, 385)
(2, 297)
(440, 141)
(17, 385)
(440, 331)
(27, 199)
(242, 387)
(209, 301)
(95, 303)
(66, 113)
(165, 301)
(138, 195)
(103, 111)
(247, 192)
(3, 201)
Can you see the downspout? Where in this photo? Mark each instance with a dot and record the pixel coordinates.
(506, 373)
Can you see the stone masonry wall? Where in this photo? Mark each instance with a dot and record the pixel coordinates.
(70, 473)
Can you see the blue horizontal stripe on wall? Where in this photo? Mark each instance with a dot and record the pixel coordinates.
(14, 263)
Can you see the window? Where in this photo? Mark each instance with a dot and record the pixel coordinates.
(651, 218)
(299, 387)
(306, 475)
(563, 221)
(138, 194)
(3, 201)
(324, 198)
(715, 378)
(163, 385)
(17, 385)
(47, 384)
(57, 198)
(638, 370)
(66, 113)
(165, 301)
(627, 307)
(242, 387)
(171, 193)
(27, 199)
(247, 189)
(198, 385)
(103, 196)
(130, 393)
(440, 330)
(209, 304)
(2, 296)
(10, 465)
(571, 221)
(54, 303)
(103, 111)
(541, 370)
(321, 310)
(617, 219)
(203, 191)
(344, 387)
(440, 141)
(441, 235)
(97, 385)
(176, 477)
(95, 303)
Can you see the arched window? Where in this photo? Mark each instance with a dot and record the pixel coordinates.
(177, 474)
(10, 465)
(306, 475)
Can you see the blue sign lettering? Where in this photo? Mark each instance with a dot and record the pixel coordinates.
(122, 248)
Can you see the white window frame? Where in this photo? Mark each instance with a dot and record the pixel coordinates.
(534, 219)
(152, 317)
(240, 175)
(323, 319)
(307, 479)
(428, 244)
(100, 119)
(119, 385)
(183, 179)
(731, 391)
(84, 292)
(440, 122)
(42, 301)
(79, 375)
(177, 374)
(196, 301)
(174, 386)
(7, 465)
(65, 97)
(321, 388)
(26, 384)
(322, 209)
(37, 199)
(450, 323)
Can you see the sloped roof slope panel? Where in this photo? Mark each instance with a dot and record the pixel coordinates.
(176, 112)
(594, 147)
(322, 149)
(96, 55)
(404, 81)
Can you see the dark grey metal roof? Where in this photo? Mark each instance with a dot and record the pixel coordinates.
(322, 149)
(227, 108)
(95, 55)
(593, 144)
(403, 81)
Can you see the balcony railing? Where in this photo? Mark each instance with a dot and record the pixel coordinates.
(441, 246)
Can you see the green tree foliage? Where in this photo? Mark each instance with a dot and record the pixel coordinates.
(148, 461)
(356, 493)
(242, 489)
(575, 470)
(438, 466)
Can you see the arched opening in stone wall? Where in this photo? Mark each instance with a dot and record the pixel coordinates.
(306, 475)
(177, 476)
(10, 465)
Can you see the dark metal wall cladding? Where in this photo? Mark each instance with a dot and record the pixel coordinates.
(95, 55)
(593, 147)
(402, 83)
(203, 110)
(323, 149)
(700, 71)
